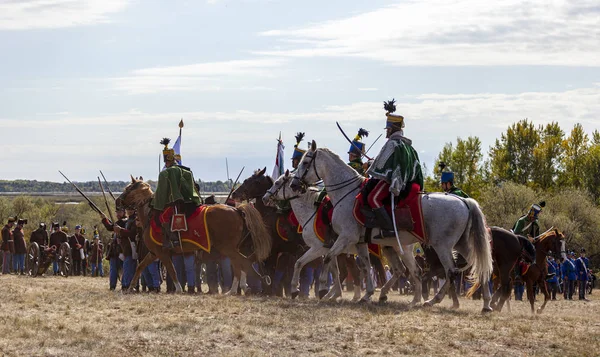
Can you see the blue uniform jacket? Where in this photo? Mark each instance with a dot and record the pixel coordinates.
(569, 272)
(553, 269)
(581, 266)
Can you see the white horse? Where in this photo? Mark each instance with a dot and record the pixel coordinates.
(451, 223)
(304, 209)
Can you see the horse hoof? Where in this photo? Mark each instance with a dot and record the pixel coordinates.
(486, 310)
(294, 295)
(383, 299)
(427, 304)
(322, 293)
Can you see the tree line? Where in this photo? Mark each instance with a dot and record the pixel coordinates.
(529, 164)
(34, 186)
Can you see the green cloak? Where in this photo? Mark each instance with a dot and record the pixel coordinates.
(457, 191)
(522, 227)
(175, 183)
(357, 165)
(397, 164)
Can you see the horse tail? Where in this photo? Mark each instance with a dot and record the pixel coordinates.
(480, 252)
(258, 231)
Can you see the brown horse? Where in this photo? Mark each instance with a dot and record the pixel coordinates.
(507, 249)
(228, 226)
(550, 241)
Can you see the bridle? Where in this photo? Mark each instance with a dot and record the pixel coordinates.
(283, 186)
(330, 188)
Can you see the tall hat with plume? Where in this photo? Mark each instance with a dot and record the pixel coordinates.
(394, 121)
(168, 153)
(447, 175)
(357, 147)
(298, 152)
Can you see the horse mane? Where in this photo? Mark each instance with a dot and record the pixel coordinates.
(337, 157)
(547, 234)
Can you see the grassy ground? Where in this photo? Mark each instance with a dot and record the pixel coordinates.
(79, 316)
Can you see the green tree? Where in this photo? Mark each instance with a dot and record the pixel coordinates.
(548, 155)
(591, 170)
(465, 160)
(511, 157)
(575, 148)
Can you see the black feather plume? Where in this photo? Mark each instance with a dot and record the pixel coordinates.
(390, 106)
(299, 137)
(442, 165)
(542, 204)
(362, 133)
(165, 141)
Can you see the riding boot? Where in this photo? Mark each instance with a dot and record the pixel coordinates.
(384, 221)
(168, 237)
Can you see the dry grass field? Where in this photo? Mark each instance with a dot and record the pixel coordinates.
(76, 316)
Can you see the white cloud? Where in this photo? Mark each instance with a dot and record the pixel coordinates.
(457, 32)
(206, 76)
(368, 89)
(249, 136)
(39, 14)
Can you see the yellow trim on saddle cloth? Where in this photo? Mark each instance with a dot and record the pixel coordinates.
(527, 266)
(206, 249)
(279, 233)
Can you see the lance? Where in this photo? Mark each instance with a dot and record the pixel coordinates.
(235, 183)
(351, 142)
(374, 142)
(107, 187)
(227, 167)
(106, 201)
(92, 205)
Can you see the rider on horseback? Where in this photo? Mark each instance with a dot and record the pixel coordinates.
(395, 170)
(448, 182)
(175, 189)
(528, 225)
(357, 149)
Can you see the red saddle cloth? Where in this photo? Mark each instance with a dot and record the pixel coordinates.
(319, 226)
(524, 268)
(291, 218)
(197, 232)
(413, 202)
(375, 249)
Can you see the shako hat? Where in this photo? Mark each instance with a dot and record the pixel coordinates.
(357, 147)
(168, 153)
(394, 121)
(298, 153)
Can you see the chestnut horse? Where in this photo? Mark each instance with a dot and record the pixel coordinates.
(227, 226)
(507, 249)
(551, 240)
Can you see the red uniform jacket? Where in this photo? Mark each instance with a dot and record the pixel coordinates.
(19, 238)
(7, 238)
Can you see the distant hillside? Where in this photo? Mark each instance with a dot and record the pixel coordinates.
(34, 186)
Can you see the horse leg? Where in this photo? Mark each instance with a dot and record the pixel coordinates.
(354, 271)
(237, 274)
(324, 278)
(310, 255)
(336, 290)
(544, 289)
(165, 258)
(363, 255)
(450, 269)
(485, 288)
(414, 271)
(149, 258)
(392, 258)
(530, 294)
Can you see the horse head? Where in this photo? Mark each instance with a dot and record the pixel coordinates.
(278, 191)
(552, 242)
(134, 194)
(254, 186)
(306, 174)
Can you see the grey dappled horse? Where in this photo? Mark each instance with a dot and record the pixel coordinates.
(451, 223)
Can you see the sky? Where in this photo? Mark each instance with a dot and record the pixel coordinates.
(88, 85)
